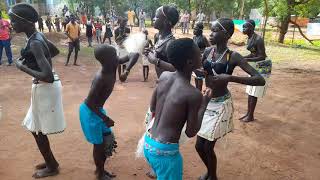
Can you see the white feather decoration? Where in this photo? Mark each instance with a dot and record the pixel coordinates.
(135, 43)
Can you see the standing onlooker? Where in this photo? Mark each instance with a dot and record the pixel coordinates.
(5, 39)
(73, 32)
(142, 18)
(40, 24)
(64, 10)
(201, 17)
(89, 33)
(57, 23)
(65, 22)
(131, 15)
(181, 21)
(49, 23)
(108, 34)
(98, 27)
(193, 18)
(186, 22)
(83, 19)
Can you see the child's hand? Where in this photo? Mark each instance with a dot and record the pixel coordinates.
(109, 122)
(207, 92)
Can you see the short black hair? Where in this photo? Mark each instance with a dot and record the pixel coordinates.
(179, 51)
(228, 24)
(26, 11)
(172, 14)
(200, 25)
(104, 51)
(250, 21)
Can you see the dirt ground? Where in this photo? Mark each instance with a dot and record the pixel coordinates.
(282, 144)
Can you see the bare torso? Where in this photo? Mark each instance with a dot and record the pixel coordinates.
(172, 101)
(101, 89)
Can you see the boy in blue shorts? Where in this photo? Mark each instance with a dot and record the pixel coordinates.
(175, 103)
(95, 122)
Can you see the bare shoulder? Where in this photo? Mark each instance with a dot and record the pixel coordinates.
(236, 58)
(194, 95)
(166, 75)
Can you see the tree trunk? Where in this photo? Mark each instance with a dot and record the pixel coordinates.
(266, 16)
(284, 29)
(241, 9)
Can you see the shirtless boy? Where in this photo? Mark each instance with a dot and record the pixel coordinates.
(175, 102)
(95, 122)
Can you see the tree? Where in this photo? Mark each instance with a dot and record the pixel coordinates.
(283, 9)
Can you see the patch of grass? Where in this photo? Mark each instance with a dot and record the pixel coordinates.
(301, 42)
(279, 52)
(84, 51)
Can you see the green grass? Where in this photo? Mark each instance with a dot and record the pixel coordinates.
(84, 51)
(281, 52)
(302, 43)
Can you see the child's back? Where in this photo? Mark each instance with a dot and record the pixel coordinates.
(175, 96)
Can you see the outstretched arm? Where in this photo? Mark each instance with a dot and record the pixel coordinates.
(255, 78)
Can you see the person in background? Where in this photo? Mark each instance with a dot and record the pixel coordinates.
(131, 15)
(57, 23)
(142, 18)
(186, 22)
(98, 27)
(201, 17)
(108, 34)
(73, 33)
(202, 42)
(40, 24)
(83, 19)
(257, 59)
(5, 39)
(49, 23)
(89, 33)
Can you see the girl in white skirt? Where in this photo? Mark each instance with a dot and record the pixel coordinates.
(45, 115)
(258, 60)
(219, 63)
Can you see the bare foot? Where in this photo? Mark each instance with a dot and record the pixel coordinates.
(204, 177)
(151, 175)
(111, 175)
(245, 116)
(248, 119)
(41, 166)
(45, 173)
(104, 177)
(76, 64)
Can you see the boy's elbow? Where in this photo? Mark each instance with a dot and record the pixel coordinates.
(49, 78)
(190, 134)
(262, 81)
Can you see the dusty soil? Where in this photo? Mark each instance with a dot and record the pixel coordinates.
(283, 143)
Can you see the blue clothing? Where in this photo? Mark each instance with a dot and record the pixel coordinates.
(6, 44)
(165, 159)
(92, 125)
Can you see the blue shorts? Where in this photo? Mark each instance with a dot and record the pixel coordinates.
(92, 125)
(164, 159)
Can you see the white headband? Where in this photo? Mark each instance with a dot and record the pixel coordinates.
(11, 12)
